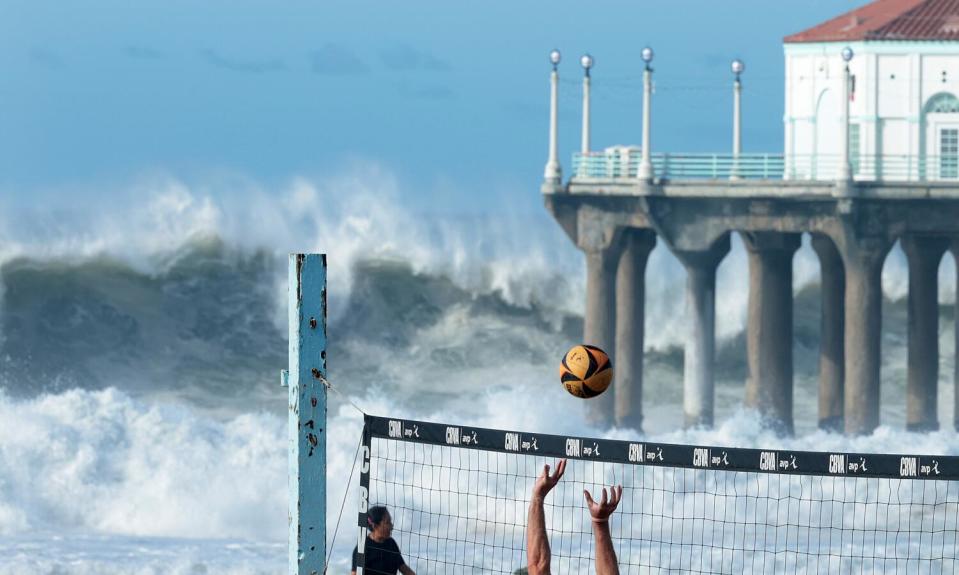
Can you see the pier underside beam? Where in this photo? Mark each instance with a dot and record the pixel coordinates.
(630, 327)
(832, 318)
(769, 334)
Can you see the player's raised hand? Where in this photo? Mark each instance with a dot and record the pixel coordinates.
(601, 511)
(546, 482)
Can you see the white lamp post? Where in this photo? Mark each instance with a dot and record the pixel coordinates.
(646, 164)
(845, 168)
(552, 174)
(587, 62)
(737, 67)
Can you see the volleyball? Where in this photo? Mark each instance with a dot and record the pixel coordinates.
(586, 371)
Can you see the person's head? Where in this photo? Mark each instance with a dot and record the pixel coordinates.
(380, 521)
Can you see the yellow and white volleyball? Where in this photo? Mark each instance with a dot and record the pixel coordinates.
(586, 371)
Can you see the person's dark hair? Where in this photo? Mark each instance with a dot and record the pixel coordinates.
(375, 515)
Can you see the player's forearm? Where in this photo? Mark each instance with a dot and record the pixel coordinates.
(537, 543)
(605, 554)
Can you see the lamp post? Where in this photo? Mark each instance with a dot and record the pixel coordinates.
(587, 62)
(737, 67)
(646, 164)
(845, 168)
(553, 175)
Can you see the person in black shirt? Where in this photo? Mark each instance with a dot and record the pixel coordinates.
(383, 555)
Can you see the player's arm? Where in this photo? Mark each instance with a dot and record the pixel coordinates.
(606, 563)
(405, 570)
(537, 542)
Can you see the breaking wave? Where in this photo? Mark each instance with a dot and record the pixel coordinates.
(140, 348)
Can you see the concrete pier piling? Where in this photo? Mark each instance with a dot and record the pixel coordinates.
(599, 327)
(831, 344)
(769, 334)
(699, 357)
(863, 259)
(924, 255)
(630, 327)
(954, 248)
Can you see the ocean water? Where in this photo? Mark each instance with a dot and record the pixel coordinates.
(142, 427)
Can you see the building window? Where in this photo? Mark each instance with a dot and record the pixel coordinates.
(949, 153)
(943, 104)
(854, 152)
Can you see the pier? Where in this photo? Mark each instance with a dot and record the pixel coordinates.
(618, 203)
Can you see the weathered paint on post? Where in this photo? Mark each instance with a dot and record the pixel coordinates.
(307, 415)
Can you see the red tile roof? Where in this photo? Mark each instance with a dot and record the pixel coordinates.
(888, 20)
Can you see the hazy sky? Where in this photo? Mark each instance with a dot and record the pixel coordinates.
(451, 97)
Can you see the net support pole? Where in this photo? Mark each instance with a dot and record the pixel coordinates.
(364, 503)
(307, 414)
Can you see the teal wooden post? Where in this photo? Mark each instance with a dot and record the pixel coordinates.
(307, 415)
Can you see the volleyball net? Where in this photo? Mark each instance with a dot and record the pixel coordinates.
(458, 497)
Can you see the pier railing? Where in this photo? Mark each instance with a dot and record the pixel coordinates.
(623, 162)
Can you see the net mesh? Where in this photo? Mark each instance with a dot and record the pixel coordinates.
(459, 509)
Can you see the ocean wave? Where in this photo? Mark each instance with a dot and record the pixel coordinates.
(203, 331)
(140, 351)
(86, 554)
(105, 463)
(99, 476)
(180, 279)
